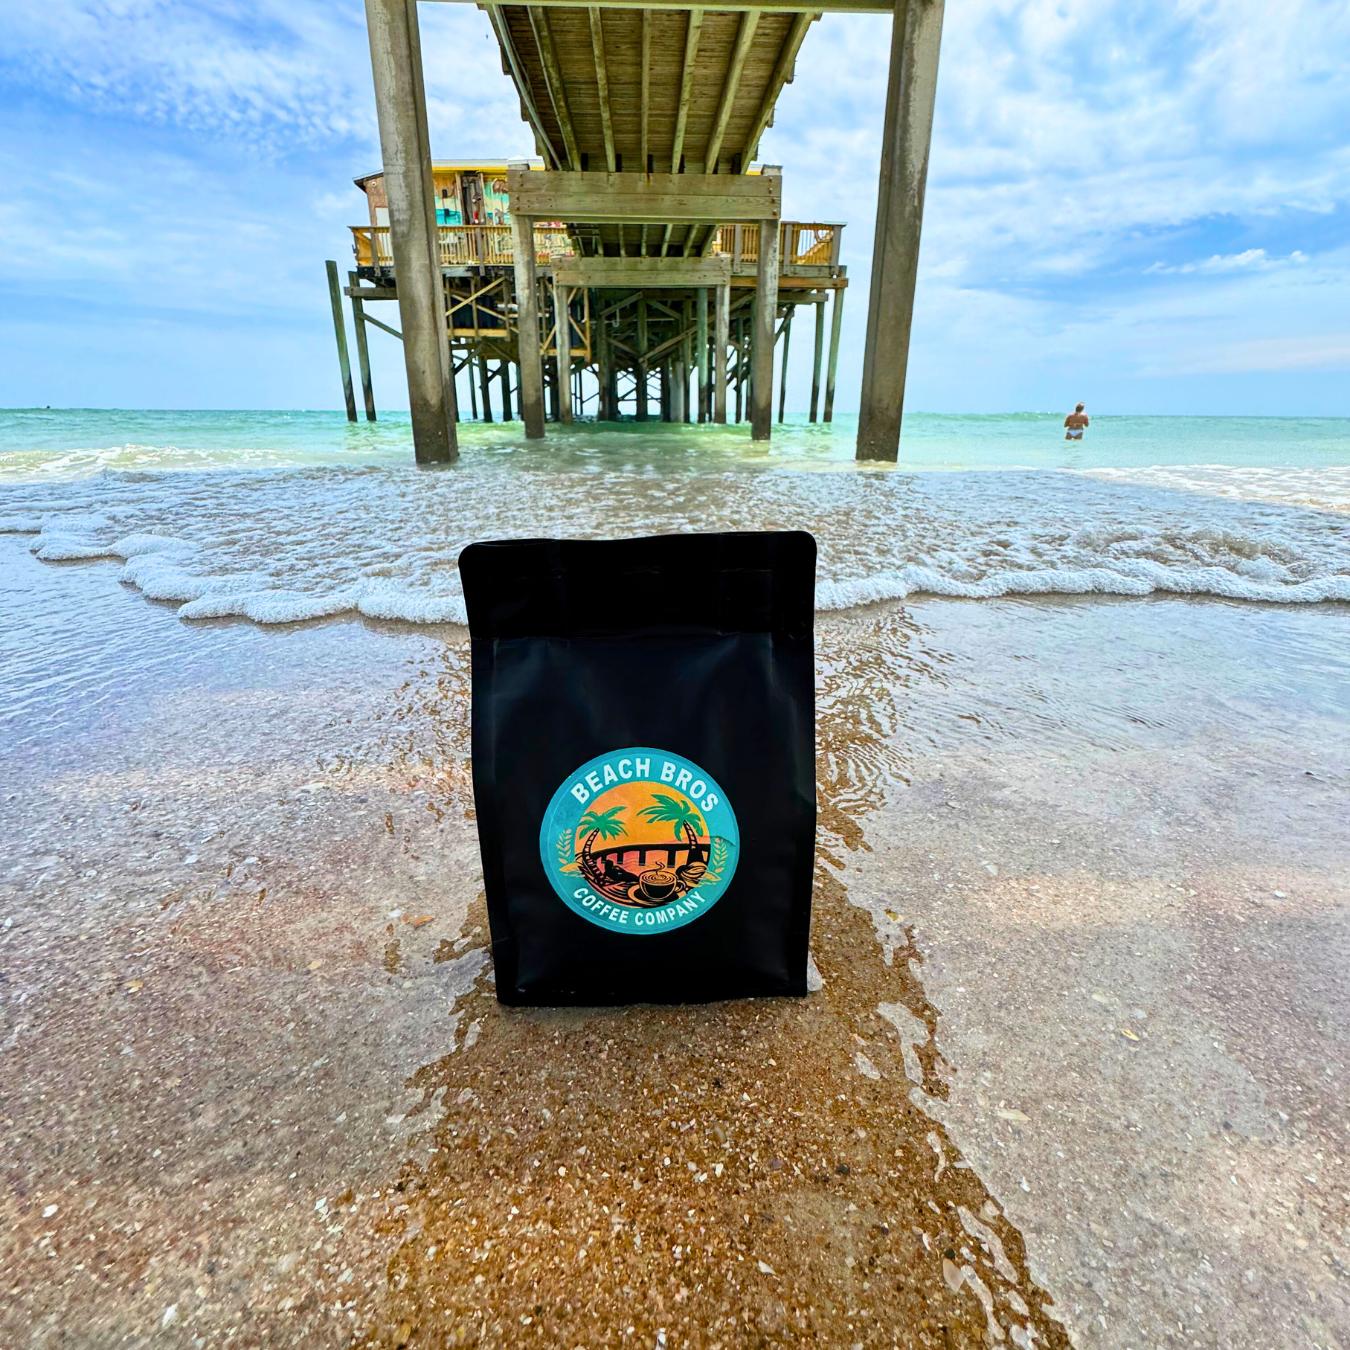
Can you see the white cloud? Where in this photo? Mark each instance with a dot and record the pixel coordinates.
(1250, 259)
(265, 72)
(274, 75)
(1066, 126)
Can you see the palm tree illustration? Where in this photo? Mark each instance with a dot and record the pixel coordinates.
(602, 825)
(681, 816)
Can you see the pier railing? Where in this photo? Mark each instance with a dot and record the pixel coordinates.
(803, 245)
(465, 245)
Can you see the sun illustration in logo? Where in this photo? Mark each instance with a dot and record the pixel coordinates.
(639, 841)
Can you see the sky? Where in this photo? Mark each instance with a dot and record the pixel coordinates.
(1143, 206)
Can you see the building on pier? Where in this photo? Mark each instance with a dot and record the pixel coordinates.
(643, 246)
(634, 345)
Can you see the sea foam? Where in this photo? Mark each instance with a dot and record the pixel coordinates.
(292, 544)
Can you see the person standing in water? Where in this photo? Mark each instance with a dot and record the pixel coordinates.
(1075, 424)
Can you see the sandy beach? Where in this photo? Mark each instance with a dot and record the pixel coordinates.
(1074, 1071)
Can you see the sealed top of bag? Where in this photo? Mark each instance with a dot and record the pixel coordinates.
(730, 583)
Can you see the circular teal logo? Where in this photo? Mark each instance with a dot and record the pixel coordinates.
(639, 841)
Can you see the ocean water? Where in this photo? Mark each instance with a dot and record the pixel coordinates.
(282, 517)
(1056, 810)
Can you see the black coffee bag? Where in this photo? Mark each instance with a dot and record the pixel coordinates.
(643, 764)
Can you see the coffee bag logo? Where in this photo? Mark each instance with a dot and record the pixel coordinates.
(639, 841)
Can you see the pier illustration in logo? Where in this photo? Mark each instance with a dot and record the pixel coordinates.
(639, 841)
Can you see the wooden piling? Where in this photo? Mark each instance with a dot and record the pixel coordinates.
(740, 370)
(362, 347)
(687, 365)
(916, 36)
(504, 375)
(761, 345)
(721, 337)
(551, 391)
(783, 374)
(611, 376)
(603, 407)
(527, 329)
(485, 387)
(701, 341)
(562, 305)
(641, 368)
(340, 332)
(832, 369)
(400, 105)
(817, 354)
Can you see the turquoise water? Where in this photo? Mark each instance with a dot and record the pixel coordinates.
(285, 516)
(131, 439)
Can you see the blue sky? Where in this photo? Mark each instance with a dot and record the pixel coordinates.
(1145, 206)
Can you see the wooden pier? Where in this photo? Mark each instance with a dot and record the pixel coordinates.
(642, 251)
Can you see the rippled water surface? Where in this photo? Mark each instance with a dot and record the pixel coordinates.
(1079, 914)
(283, 517)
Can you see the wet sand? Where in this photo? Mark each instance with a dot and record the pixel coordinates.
(258, 1089)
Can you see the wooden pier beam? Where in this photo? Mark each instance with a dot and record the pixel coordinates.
(693, 25)
(527, 329)
(340, 332)
(721, 337)
(745, 36)
(761, 342)
(782, 75)
(552, 156)
(602, 88)
(783, 374)
(658, 198)
(832, 369)
(504, 375)
(641, 273)
(553, 82)
(916, 36)
(362, 346)
(817, 355)
(646, 99)
(562, 305)
(400, 105)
